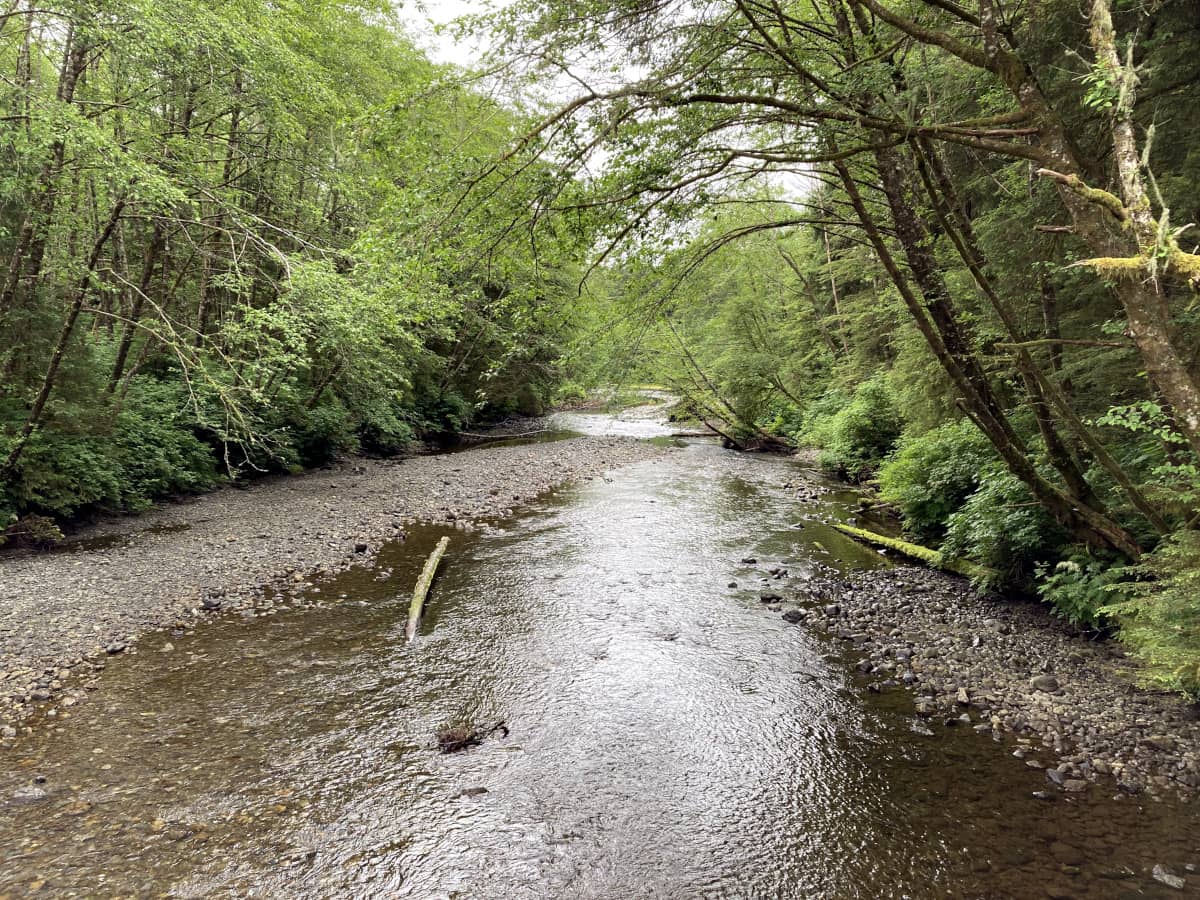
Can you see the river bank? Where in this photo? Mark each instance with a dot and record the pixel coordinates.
(1008, 668)
(62, 613)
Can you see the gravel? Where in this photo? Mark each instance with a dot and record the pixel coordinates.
(1070, 700)
(61, 613)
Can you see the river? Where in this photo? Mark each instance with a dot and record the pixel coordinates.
(668, 736)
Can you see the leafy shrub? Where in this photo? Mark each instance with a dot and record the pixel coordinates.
(155, 442)
(323, 433)
(570, 393)
(932, 474)
(856, 438)
(148, 450)
(34, 532)
(1159, 615)
(1079, 588)
(1003, 528)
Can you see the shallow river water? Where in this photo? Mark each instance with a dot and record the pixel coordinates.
(668, 735)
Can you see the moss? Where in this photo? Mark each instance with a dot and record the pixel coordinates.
(1118, 266)
(1101, 198)
(916, 551)
(1187, 264)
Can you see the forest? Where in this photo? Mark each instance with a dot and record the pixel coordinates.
(950, 247)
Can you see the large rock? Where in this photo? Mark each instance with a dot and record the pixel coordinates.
(1046, 683)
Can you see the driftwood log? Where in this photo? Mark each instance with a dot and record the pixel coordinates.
(421, 591)
(916, 551)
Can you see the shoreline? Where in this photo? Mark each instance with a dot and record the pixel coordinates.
(1012, 671)
(63, 613)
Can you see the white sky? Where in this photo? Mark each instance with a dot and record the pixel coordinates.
(421, 17)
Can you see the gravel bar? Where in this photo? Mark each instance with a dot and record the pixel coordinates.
(1008, 668)
(63, 612)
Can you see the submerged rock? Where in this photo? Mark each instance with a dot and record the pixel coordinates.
(1165, 876)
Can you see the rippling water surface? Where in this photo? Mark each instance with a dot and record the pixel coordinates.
(668, 735)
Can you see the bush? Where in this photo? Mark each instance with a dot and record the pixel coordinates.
(32, 532)
(1159, 615)
(148, 450)
(856, 438)
(1079, 588)
(932, 474)
(1003, 528)
(323, 433)
(570, 394)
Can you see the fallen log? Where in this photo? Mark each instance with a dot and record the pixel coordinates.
(422, 589)
(930, 557)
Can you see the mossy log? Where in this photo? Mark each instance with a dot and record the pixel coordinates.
(422, 589)
(916, 551)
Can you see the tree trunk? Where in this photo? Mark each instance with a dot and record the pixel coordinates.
(149, 261)
(1086, 523)
(60, 348)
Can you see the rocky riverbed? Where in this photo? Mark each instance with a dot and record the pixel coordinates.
(1008, 668)
(247, 549)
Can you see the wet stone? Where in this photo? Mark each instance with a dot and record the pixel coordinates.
(29, 793)
(1163, 875)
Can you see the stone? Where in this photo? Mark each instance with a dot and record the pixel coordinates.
(1045, 683)
(29, 793)
(833, 610)
(794, 616)
(770, 598)
(1163, 875)
(116, 647)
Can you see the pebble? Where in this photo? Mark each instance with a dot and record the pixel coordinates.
(29, 793)
(1047, 683)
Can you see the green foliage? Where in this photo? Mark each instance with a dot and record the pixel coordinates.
(1002, 527)
(32, 531)
(1081, 587)
(289, 271)
(856, 438)
(933, 474)
(148, 451)
(1159, 613)
(1102, 89)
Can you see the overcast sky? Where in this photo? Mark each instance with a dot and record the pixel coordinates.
(421, 17)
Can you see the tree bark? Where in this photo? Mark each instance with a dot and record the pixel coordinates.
(1086, 523)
